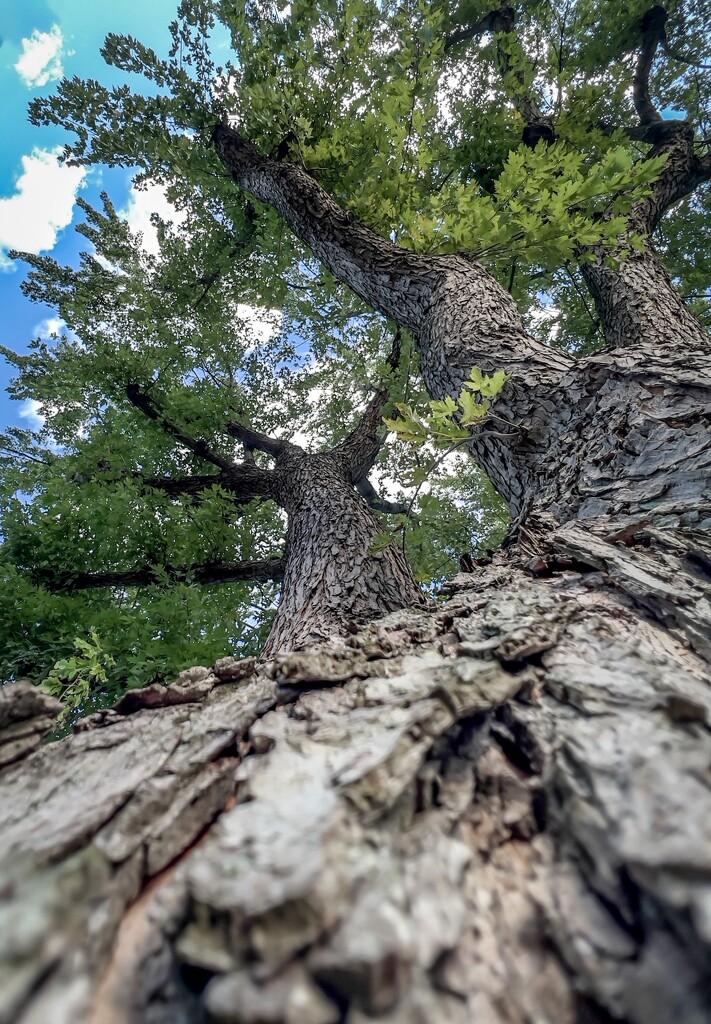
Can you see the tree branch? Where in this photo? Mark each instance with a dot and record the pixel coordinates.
(461, 316)
(244, 481)
(653, 28)
(394, 280)
(681, 175)
(684, 170)
(23, 455)
(489, 23)
(178, 485)
(252, 439)
(143, 401)
(499, 22)
(378, 504)
(359, 449)
(148, 575)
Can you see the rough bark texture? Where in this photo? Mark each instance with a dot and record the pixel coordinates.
(461, 316)
(494, 809)
(332, 579)
(638, 306)
(573, 439)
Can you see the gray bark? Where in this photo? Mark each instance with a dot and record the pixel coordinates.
(496, 809)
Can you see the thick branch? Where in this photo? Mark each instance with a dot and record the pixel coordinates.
(252, 439)
(491, 22)
(149, 408)
(177, 485)
(244, 481)
(359, 450)
(376, 502)
(684, 170)
(258, 571)
(681, 175)
(499, 22)
(392, 279)
(410, 288)
(653, 27)
(459, 313)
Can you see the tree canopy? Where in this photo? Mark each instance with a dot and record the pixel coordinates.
(523, 139)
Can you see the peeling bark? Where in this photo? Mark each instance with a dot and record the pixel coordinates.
(495, 809)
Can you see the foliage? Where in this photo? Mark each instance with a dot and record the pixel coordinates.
(85, 673)
(449, 420)
(411, 130)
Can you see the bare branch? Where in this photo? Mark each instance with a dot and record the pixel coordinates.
(359, 450)
(143, 401)
(149, 575)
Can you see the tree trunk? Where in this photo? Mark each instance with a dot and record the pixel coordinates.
(332, 580)
(495, 809)
(604, 436)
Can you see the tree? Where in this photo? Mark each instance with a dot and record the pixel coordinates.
(144, 483)
(495, 808)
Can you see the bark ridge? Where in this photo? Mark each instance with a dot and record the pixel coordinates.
(496, 808)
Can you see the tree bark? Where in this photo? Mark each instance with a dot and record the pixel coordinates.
(332, 580)
(637, 303)
(460, 315)
(496, 809)
(623, 435)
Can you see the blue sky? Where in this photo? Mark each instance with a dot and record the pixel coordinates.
(40, 42)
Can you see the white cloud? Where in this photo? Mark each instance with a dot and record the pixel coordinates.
(42, 206)
(45, 329)
(261, 323)
(142, 203)
(30, 411)
(41, 59)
